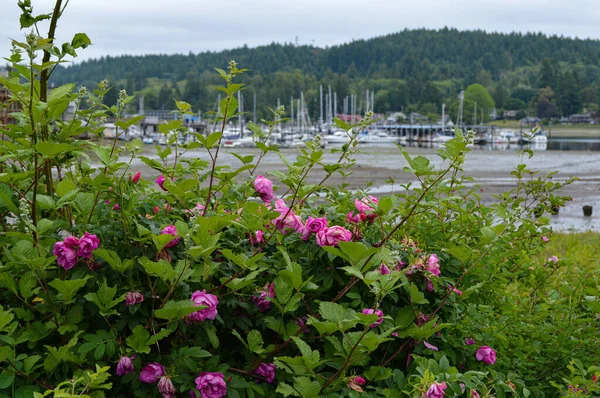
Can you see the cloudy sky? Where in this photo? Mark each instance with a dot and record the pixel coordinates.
(180, 26)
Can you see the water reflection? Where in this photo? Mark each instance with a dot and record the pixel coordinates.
(573, 145)
(538, 146)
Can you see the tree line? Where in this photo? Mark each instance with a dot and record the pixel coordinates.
(413, 70)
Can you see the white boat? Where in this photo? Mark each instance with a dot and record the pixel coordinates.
(441, 137)
(338, 137)
(510, 136)
(539, 139)
(377, 137)
(245, 142)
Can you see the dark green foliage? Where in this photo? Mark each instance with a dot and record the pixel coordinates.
(415, 67)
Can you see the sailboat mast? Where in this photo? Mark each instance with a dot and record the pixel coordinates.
(292, 111)
(330, 109)
(334, 104)
(321, 106)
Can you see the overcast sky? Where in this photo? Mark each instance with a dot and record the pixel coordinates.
(180, 26)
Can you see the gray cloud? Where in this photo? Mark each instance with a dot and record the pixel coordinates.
(180, 26)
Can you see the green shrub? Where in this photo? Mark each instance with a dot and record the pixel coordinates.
(112, 284)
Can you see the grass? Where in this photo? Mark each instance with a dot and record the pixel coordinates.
(578, 250)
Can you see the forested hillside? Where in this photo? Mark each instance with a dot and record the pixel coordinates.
(411, 70)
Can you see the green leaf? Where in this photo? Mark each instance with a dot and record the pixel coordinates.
(405, 317)
(332, 312)
(286, 390)
(81, 40)
(5, 318)
(65, 187)
(161, 269)
(416, 296)
(173, 310)
(29, 362)
(356, 251)
(60, 93)
(138, 341)
(255, 342)
(6, 379)
(104, 299)
(113, 259)
(67, 288)
(50, 149)
(306, 387)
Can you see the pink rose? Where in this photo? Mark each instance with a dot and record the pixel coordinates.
(136, 177)
(363, 205)
(287, 221)
(201, 298)
(379, 313)
(331, 236)
(66, 252)
(486, 354)
(151, 373)
(384, 270)
(553, 259)
(359, 380)
(436, 390)
(545, 239)
(433, 265)
(156, 209)
(133, 298)
(312, 226)
(260, 236)
(161, 182)
(351, 218)
(171, 230)
(264, 188)
(469, 341)
(211, 385)
(116, 207)
(266, 370)
(474, 394)
(87, 244)
(125, 366)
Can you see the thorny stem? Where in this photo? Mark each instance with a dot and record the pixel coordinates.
(44, 76)
(214, 159)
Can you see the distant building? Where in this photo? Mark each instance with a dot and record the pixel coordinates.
(510, 115)
(416, 118)
(584, 118)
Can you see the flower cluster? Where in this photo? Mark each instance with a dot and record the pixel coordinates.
(288, 221)
(71, 249)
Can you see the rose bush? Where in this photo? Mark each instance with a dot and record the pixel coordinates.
(212, 280)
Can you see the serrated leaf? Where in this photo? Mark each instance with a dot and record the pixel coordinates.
(67, 288)
(173, 310)
(255, 342)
